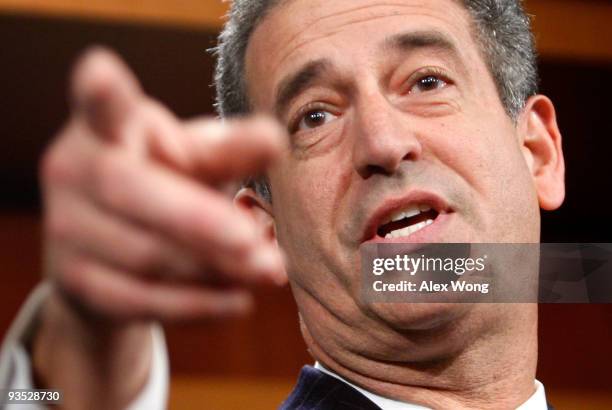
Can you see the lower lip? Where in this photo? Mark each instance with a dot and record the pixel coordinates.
(430, 234)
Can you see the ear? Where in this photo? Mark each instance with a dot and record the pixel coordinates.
(541, 146)
(260, 210)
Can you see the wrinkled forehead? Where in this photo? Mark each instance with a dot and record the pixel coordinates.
(295, 31)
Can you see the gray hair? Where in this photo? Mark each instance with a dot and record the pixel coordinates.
(501, 28)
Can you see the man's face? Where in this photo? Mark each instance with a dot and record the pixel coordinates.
(390, 108)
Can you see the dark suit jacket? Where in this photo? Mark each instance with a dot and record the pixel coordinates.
(320, 391)
(316, 390)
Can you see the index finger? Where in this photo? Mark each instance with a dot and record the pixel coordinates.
(220, 151)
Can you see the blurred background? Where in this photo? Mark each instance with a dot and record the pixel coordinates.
(253, 363)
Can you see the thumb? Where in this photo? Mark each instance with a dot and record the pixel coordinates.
(104, 91)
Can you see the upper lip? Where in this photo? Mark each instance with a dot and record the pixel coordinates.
(392, 205)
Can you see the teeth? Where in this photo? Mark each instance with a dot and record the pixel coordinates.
(407, 213)
(409, 230)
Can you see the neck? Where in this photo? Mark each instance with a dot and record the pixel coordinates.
(490, 361)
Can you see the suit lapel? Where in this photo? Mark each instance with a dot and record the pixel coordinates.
(320, 391)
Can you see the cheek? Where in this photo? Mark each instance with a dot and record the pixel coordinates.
(471, 153)
(514, 195)
(487, 158)
(305, 196)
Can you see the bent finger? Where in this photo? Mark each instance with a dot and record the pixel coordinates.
(195, 216)
(123, 296)
(112, 240)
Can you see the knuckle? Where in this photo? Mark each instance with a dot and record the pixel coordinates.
(203, 225)
(149, 106)
(58, 226)
(108, 179)
(71, 275)
(74, 279)
(146, 256)
(102, 167)
(55, 166)
(148, 111)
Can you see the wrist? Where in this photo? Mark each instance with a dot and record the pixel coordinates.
(96, 362)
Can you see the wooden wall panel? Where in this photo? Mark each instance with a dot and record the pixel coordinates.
(197, 14)
(576, 29)
(228, 393)
(20, 262)
(572, 29)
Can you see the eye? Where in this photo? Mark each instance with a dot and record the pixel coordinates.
(428, 83)
(315, 118)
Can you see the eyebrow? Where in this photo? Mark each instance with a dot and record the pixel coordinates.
(294, 84)
(414, 40)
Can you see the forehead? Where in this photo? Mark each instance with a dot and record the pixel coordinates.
(344, 31)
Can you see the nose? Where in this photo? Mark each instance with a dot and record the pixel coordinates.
(383, 137)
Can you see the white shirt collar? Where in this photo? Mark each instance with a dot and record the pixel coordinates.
(537, 401)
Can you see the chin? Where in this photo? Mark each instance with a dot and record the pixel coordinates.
(419, 316)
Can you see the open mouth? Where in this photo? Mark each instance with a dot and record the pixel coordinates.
(407, 221)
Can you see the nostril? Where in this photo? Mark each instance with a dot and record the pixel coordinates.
(371, 170)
